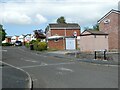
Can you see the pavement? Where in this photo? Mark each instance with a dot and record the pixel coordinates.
(63, 54)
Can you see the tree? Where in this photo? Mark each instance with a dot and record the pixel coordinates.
(46, 29)
(2, 33)
(39, 34)
(87, 28)
(96, 27)
(61, 20)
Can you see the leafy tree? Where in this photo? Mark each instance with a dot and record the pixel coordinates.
(39, 34)
(87, 28)
(2, 33)
(61, 20)
(46, 29)
(96, 27)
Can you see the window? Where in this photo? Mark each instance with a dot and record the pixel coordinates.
(56, 40)
(106, 21)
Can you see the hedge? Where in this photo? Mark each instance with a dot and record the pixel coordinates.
(40, 46)
(6, 44)
(27, 45)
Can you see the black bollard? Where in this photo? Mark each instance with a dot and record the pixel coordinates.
(31, 47)
(105, 55)
(95, 55)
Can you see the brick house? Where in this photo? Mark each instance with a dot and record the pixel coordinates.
(62, 36)
(109, 24)
(91, 40)
(7, 39)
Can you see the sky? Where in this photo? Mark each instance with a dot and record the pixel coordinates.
(23, 16)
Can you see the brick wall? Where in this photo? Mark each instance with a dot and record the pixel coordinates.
(60, 44)
(62, 32)
(112, 29)
(8, 40)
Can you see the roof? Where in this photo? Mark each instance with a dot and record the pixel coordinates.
(66, 25)
(111, 11)
(55, 37)
(93, 32)
(8, 36)
(59, 37)
(15, 36)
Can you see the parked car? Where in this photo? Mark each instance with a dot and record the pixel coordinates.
(18, 43)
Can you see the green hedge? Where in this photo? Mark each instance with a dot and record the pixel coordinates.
(27, 45)
(33, 41)
(6, 44)
(40, 46)
(37, 45)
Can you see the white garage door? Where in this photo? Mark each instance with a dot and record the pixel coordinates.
(70, 44)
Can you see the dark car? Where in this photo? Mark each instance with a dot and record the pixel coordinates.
(18, 43)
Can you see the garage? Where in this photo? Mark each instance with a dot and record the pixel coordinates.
(70, 44)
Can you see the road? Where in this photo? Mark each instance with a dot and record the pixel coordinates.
(54, 72)
(13, 77)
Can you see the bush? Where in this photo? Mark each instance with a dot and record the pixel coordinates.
(40, 46)
(35, 45)
(27, 45)
(33, 41)
(6, 44)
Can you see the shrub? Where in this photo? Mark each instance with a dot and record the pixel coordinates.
(27, 45)
(33, 41)
(35, 45)
(40, 46)
(6, 44)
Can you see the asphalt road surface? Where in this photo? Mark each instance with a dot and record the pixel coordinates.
(52, 72)
(13, 77)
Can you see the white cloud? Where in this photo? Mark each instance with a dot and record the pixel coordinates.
(40, 19)
(15, 18)
(40, 11)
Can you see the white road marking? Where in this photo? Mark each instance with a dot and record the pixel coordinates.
(4, 50)
(28, 60)
(42, 65)
(65, 69)
(31, 61)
